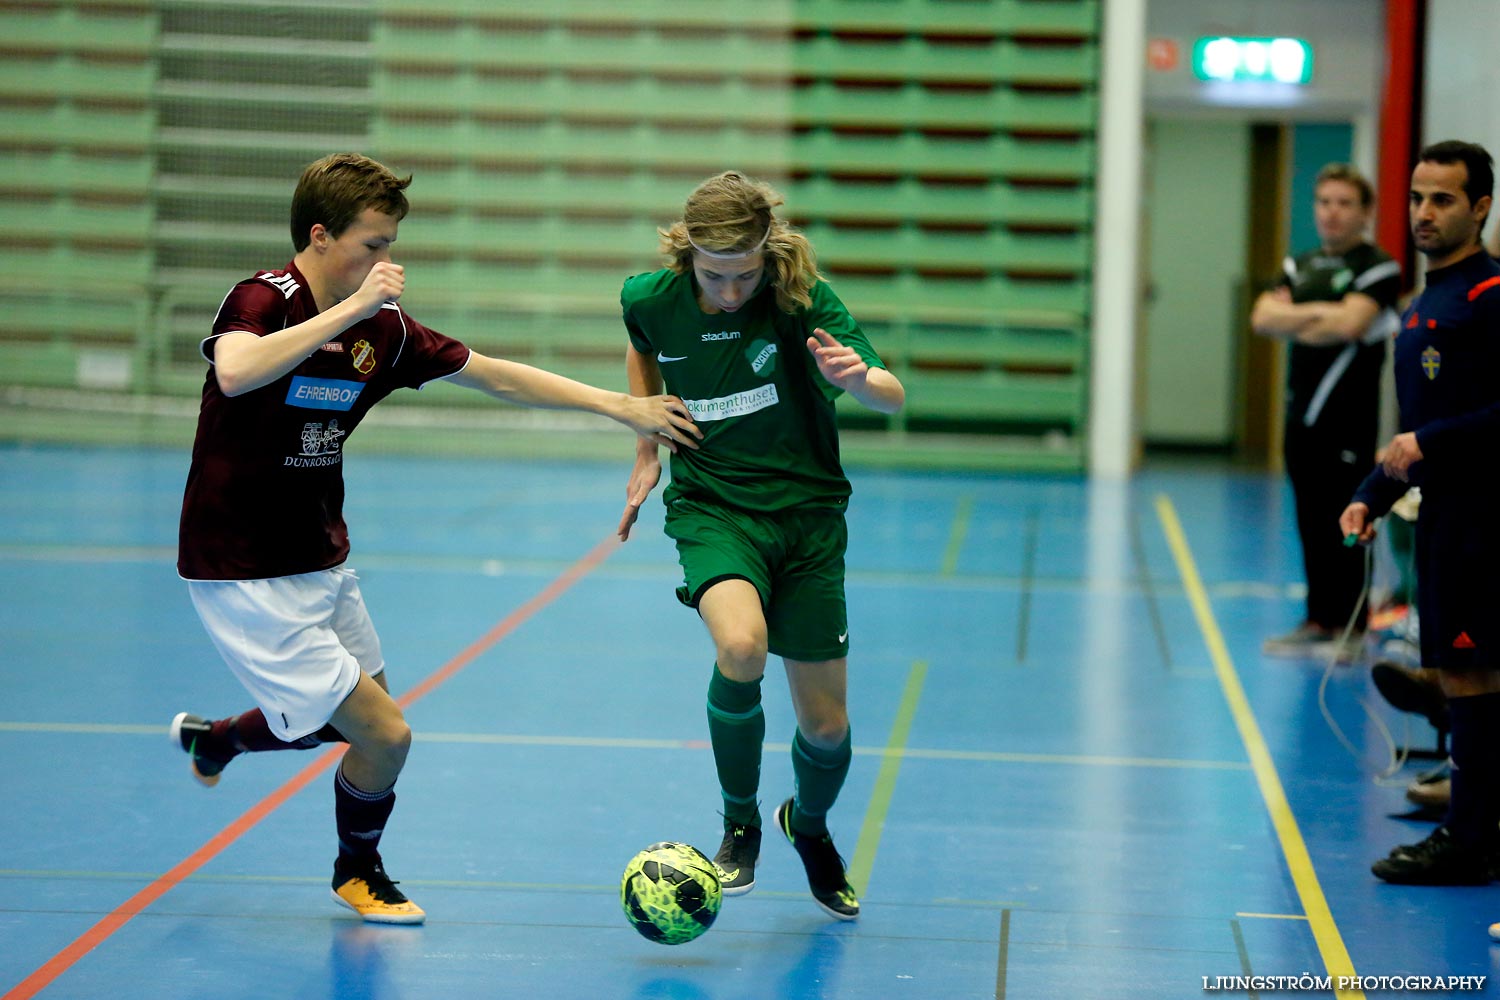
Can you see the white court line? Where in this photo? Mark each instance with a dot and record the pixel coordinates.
(626, 743)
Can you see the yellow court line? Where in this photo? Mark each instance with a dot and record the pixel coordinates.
(957, 533)
(1325, 932)
(885, 781)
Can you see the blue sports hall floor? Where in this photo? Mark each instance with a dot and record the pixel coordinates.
(1075, 775)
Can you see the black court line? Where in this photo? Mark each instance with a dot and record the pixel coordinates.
(1239, 946)
(1148, 590)
(1004, 953)
(1028, 575)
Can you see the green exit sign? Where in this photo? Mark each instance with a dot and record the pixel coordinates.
(1269, 60)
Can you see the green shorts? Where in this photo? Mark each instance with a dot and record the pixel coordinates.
(794, 558)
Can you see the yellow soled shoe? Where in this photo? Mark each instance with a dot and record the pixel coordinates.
(364, 887)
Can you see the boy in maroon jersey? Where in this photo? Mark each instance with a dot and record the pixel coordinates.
(297, 358)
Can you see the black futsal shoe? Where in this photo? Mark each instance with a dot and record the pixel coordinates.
(207, 754)
(1438, 860)
(736, 858)
(825, 869)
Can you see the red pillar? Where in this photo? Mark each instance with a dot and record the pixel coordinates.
(1400, 121)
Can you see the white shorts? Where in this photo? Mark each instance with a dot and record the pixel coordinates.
(297, 643)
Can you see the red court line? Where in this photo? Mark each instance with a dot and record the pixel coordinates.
(100, 932)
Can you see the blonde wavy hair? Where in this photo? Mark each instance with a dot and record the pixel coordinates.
(733, 213)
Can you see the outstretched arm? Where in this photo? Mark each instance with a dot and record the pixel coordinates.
(645, 380)
(663, 419)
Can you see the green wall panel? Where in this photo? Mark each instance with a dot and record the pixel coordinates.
(939, 154)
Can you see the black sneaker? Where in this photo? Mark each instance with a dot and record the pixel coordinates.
(195, 736)
(736, 858)
(364, 887)
(1438, 860)
(825, 869)
(1412, 689)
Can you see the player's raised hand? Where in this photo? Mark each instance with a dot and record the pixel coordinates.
(841, 366)
(385, 283)
(661, 420)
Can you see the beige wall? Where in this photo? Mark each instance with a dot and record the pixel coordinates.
(1462, 95)
(1197, 205)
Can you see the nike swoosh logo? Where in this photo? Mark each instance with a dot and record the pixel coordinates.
(843, 637)
(663, 358)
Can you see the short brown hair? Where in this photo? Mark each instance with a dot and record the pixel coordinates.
(1349, 174)
(335, 189)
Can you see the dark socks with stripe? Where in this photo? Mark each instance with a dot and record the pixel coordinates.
(737, 729)
(360, 817)
(820, 775)
(1474, 803)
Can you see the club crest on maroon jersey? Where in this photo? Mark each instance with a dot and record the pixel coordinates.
(363, 357)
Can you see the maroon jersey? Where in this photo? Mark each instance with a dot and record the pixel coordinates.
(265, 492)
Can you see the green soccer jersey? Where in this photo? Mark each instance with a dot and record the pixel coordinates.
(770, 441)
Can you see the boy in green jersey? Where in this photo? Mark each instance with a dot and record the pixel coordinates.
(744, 329)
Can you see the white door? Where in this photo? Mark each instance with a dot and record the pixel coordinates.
(1196, 204)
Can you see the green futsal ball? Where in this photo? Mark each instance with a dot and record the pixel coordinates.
(670, 893)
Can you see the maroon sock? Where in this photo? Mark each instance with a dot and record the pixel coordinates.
(249, 733)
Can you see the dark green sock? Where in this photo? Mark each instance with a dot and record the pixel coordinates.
(820, 775)
(737, 728)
